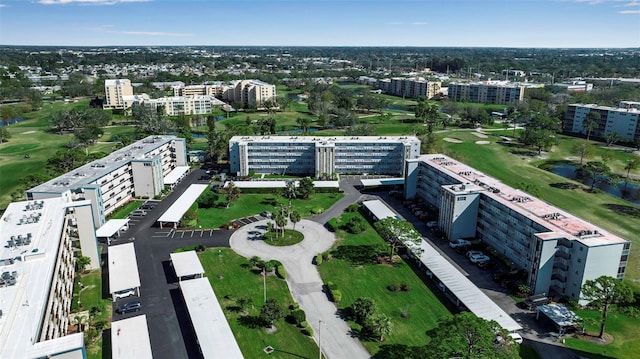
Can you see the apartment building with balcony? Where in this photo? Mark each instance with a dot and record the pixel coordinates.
(623, 120)
(251, 93)
(558, 250)
(414, 87)
(490, 92)
(321, 156)
(114, 91)
(41, 240)
(137, 170)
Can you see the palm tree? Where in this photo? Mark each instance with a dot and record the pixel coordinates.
(382, 326)
(632, 164)
(591, 122)
(270, 228)
(290, 191)
(304, 124)
(295, 217)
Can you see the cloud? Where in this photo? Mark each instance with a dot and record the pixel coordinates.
(418, 23)
(3, 5)
(627, 12)
(88, 2)
(631, 3)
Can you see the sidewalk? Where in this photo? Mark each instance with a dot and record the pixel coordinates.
(305, 283)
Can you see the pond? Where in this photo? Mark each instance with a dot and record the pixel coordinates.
(12, 121)
(399, 108)
(627, 191)
(296, 131)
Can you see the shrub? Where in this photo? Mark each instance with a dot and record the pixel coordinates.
(353, 207)
(326, 256)
(294, 306)
(201, 248)
(318, 259)
(336, 295)
(280, 272)
(394, 287)
(355, 225)
(317, 210)
(405, 287)
(271, 265)
(333, 224)
(308, 331)
(331, 286)
(299, 317)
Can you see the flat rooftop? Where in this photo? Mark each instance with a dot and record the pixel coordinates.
(209, 323)
(130, 338)
(175, 174)
(325, 140)
(380, 210)
(543, 213)
(111, 227)
(186, 263)
(280, 184)
(89, 173)
(609, 108)
(123, 268)
(462, 288)
(174, 213)
(24, 297)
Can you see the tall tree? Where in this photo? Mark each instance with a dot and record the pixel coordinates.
(540, 132)
(305, 188)
(271, 311)
(428, 112)
(590, 123)
(631, 164)
(304, 124)
(363, 308)
(583, 149)
(7, 113)
(230, 192)
(295, 217)
(399, 233)
(5, 135)
(381, 325)
(604, 291)
(290, 191)
(467, 336)
(612, 138)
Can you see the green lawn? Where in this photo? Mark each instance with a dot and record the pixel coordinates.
(124, 211)
(626, 333)
(231, 277)
(251, 204)
(91, 296)
(423, 306)
(290, 237)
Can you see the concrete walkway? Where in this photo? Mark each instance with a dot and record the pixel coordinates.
(305, 283)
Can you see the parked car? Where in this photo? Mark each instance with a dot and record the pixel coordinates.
(146, 206)
(459, 243)
(479, 258)
(516, 337)
(474, 253)
(129, 307)
(139, 213)
(534, 301)
(432, 224)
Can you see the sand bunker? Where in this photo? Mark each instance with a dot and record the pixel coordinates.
(482, 142)
(28, 132)
(452, 140)
(478, 134)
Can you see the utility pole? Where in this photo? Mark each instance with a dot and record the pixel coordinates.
(264, 281)
(319, 339)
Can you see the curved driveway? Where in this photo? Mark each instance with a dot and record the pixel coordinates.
(305, 283)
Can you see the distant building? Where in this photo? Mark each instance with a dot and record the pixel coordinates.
(502, 93)
(321, 156)
(137, 170)
(573, 86)
(187, 105)
(558, 251)
(415, 87)
(37, 262)
(251, 93)
(114, 91)
(624, 120)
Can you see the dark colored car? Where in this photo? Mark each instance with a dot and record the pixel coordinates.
(146, 206)
(129, 307)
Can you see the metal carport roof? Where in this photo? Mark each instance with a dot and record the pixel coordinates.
(123, 268)
(186, 264)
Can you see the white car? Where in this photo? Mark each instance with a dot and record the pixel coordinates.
(459, 243)
(516, 337)
(474, 253)
(479, 258)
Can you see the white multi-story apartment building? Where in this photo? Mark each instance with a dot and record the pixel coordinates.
(37, 275)
(624, 120)
(137, 170)
(114, 91)
(186, 105)
(558, 250)
(251, 93)
(492, 92)
(414, 87)
(572, 86)
(321, 156)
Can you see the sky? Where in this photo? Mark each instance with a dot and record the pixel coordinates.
(420, 23)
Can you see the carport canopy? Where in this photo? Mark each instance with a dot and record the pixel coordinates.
(379, 210)
(174, 176)
(371, 182)
(214, 334)
(560, 315)
(123, 268)
(130, 338)
(186, 264)
(112, 227)
(464, 290)
(174, 213)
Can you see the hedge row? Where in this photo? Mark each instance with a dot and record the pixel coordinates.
(280, 272)
(334, 292)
